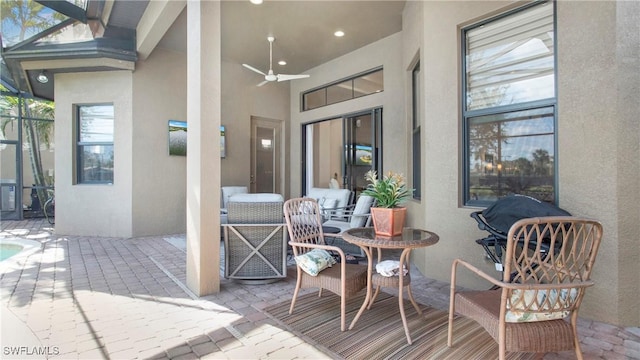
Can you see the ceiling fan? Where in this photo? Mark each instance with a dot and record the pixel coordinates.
(270, 76)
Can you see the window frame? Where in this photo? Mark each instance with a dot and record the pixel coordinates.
(468, 115)
(79, 146)
(416, 135)
(322, 91)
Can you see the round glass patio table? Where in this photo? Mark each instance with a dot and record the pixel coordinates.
(368, 240)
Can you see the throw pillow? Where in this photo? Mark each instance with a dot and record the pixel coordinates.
(314, 261)
(390, 268)
(528, 302)
(328, 204)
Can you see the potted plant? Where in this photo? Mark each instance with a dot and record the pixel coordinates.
(389, 192)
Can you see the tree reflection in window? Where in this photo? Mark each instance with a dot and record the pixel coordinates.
(512, 153)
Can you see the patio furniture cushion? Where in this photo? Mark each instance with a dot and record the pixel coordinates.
(326, 197)
(227, 192)
(525, 305)
(314, 261)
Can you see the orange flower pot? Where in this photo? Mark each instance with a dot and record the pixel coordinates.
(388, 221)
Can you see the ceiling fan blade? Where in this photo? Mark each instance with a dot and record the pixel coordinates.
(254, 69)
(262, 83)
(284, 77)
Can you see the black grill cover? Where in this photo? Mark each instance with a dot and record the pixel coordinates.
(506, 211)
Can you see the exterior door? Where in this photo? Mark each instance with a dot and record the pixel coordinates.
(342, 149)
(266, 150)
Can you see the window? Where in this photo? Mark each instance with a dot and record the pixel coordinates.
(510, 106)
(415, 140)
(370, 82)
(95, 144)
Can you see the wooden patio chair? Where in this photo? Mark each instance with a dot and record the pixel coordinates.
(304, 223)
(528, 312)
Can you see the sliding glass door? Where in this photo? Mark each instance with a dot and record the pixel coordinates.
(339, 151)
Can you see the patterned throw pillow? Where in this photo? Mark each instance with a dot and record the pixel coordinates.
(314, 261)
(539, 300)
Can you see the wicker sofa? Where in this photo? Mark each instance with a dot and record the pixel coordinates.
(255, 238)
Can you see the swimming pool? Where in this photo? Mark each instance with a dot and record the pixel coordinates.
(8, 250)
(13, 250)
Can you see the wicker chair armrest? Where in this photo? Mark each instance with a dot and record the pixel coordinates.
(330, 248)
(515, 286)
(575, 284)
(475, 270)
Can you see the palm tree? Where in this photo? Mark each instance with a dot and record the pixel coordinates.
(541, 162)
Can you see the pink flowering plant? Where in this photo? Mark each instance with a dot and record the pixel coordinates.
(389, 191)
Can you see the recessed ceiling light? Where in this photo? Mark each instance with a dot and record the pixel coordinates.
(256, 2)
(42, 77)
(282, 63)
(339, 33)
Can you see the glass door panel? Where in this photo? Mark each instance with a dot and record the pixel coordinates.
(341, 150)
(361, 149)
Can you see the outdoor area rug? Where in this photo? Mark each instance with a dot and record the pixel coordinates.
(379, 333)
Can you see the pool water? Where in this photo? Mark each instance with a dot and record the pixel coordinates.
(8, 250)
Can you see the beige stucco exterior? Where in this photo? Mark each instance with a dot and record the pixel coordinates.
(598, 136)
(84, 209)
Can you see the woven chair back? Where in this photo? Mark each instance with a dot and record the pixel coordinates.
(304, 223)
(557, 276)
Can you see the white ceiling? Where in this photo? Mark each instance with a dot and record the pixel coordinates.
(303, 31)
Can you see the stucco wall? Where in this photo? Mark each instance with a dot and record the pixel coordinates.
(412, 52)
(158, 179)
(242, 99)
(628, 163)
(598, 72)
(596, 135)
(84, 209)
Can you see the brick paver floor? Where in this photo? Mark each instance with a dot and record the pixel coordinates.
(115, 298)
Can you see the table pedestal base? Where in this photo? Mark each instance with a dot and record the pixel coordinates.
(379, 281)
(368, 240)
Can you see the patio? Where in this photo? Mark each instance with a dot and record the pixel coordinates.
(116, 298)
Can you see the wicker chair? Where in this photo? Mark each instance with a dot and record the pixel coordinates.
(305, 233)
(539, 290)
(255, 239)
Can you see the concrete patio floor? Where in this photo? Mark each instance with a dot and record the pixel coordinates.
(114, 298)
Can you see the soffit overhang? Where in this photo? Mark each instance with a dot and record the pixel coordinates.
(99, 54)
(113, 24)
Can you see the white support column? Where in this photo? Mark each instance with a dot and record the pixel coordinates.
(203, 146)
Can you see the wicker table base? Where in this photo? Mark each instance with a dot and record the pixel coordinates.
(368, 240)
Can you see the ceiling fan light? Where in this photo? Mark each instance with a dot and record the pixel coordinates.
(42, 77)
